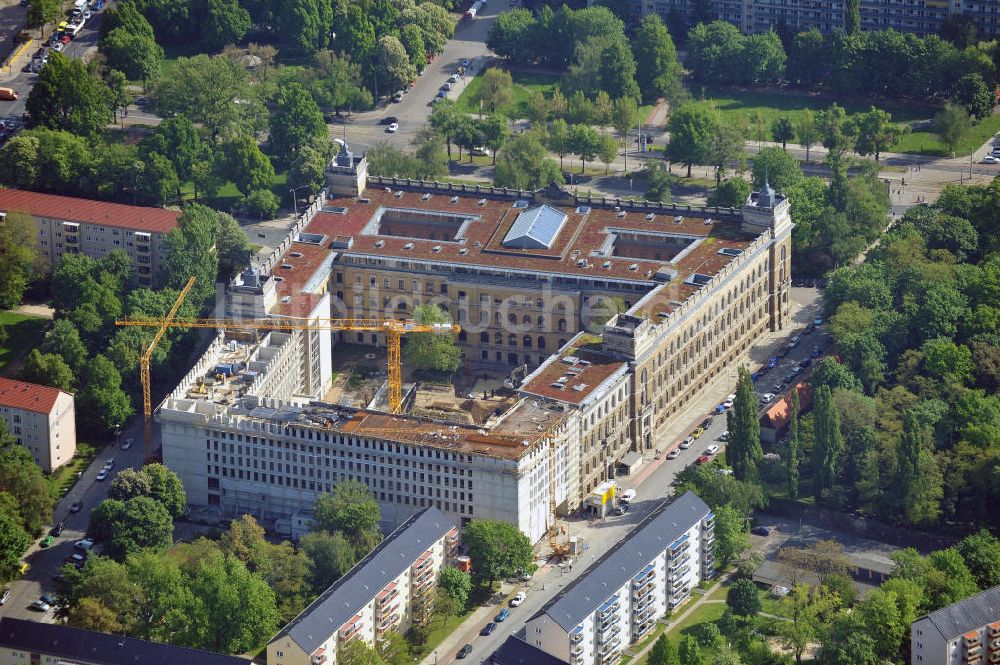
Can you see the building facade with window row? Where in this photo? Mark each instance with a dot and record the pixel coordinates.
(40, 418)
(618, 600)
(386, 592)
(963, 633)
(68, 225)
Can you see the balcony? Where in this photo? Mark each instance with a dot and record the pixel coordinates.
(351, 629)
(610, 606)
(641, 593)
(644, 576)
(993, 630)
(612, 645)
(577, 635)
(388, 622)
(993, 658)
(576, 650)
(680, 561)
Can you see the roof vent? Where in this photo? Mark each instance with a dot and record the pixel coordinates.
(296, 255)
(482, 202)
(633, 267)
(380, 243)
(607, 264)
(621, 213)
(521, 203)
(387, 189)
(454, 199)
(408, 245)
(650, 216)
(286, 266)
(581, 263)
(279, 279)
(364, 200)
(426, 196)
(709, 221)
(582, 210)
(399, 194)
(678, 219)
(463, 250)
(436, 248)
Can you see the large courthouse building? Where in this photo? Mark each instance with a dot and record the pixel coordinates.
(622, 312)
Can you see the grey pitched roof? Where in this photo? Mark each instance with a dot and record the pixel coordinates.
(516, 651)
(75, 644)
(535, 228)
(654, 534)
(350, 593)
(969, 614)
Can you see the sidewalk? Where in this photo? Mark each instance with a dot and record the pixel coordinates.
(461, 635)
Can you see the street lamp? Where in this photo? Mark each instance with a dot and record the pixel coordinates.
(295, 203)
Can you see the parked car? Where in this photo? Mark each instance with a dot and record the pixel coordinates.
(445, 87)
(465, 63)
(766, 398)
(453, 78)
(76, 506)
(816, 352)
(464, 651)
(990, 159)
(674, 453)
(128, 443)
(47, 598)
(40, 606)
(488, 629)
(778, 387)
(393, 128)
(502, 615)
(480, 151)
(706, 423)
(703, 459)
(772, 362)
(806, 362)
(388, 120)
(817, 321)
(687, 443)
(4, 595)
(518, 599)
(398, 97)
(627, 495)
(102, 475)
(760, 531)
(47, 541)
(110, 464)
(697, 432)
(724, 436)
(623, 508)
(84, 545)
(712, 449)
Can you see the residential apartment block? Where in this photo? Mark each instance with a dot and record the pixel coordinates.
(34, 643)
(921, 17)
(619, 313)
(619, 598)
(963, 633)
(42, 419)
(68, 225)
(384, 593)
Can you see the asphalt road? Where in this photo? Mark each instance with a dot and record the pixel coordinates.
(469, 43)
(44, 563)
(600, 536)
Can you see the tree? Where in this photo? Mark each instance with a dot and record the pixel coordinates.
(246, 165)
(876, 133)
(306, 25)
(22, 485)
(498, 550)
(179, 140)
(624, 115)
(14, 541)
(137, 56)
(47, 369)
(262, 203)
(331, 555)
(660, 181)
(617, 71)
(166, 487)
(457, 585)
(713, 49)
(658, 72)
(233, 246)
(412, 39)
(224, 22)
(19, 258)
(432, 351)
(64, 339)
(128, 484)
(68, 97)
(783, 130)
(296, 121)
(951, 124)
(691, 128)
(559, 139)
(103, 405)
(828, 442)
(730, 193)
(495, 89)
(41, 13)
(524, 164)
(205, 90)
(585, 143)
(852, 17)
(123, 528)
(744, 598)
(494, 133)
(743, 450)
(189, 250)
(777, 167)
(445, 120)
(307, 169)
(836, 132)
(793, 447)
(510, 36)
(805, 607)
(358, 652)
(974, 95)
(762, 58)
(236, 611)
(981, 553)
(663, 652)
(394, 67)
(350, 508)
(689, 652)
(726, 145)
(731, 539)
(806, 130)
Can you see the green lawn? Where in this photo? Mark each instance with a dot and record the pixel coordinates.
(62, 479)
(927, 143)
(524, 85)
(706, 613)
(22, 332)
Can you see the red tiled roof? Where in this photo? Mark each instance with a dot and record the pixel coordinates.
(576, 379)
(87, 211)
(27, 396)
(777, 416)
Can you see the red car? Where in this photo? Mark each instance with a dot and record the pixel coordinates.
(703, 459)
(65, 39)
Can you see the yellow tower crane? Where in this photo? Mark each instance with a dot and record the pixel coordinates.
(393, 329)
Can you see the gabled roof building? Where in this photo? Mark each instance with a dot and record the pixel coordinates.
(963, 633)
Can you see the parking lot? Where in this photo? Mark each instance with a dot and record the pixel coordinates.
(12, 16)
